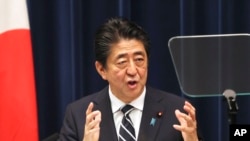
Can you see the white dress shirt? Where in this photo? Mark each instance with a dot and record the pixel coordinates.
(135, 115)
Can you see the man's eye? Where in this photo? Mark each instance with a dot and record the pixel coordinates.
(139, 61)
(121, 62)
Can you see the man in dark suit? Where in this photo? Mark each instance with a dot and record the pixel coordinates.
(122, 52)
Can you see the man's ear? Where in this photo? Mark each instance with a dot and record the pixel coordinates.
(101, 70)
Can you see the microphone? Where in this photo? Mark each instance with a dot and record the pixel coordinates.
(230, 95)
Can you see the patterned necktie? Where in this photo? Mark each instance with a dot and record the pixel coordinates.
(127, 131)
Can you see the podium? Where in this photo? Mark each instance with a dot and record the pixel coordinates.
(209, 65)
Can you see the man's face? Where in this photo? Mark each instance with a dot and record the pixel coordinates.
(126, 69)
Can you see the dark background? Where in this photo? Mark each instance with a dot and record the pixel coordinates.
(62, 37)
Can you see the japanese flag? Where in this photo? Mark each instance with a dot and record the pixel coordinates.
(18, 109)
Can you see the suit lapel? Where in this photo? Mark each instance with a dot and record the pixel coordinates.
(102, 103)
(150, 122)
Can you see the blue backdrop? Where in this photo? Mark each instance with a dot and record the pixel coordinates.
(62, 37)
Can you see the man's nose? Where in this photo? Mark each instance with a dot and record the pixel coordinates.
(132, 70)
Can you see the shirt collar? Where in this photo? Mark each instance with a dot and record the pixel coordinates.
(116, 103)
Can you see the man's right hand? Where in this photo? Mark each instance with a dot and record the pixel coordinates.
(92, 124)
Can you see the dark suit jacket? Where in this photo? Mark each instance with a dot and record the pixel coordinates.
(155, 101)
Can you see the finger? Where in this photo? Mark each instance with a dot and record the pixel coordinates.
(98, 116)
(182, 117)
(94, 130)
(189, 108)
(96, 119)
(89, 115)
(186, 123)
(177, 127)
(90, 108)
(188, 104)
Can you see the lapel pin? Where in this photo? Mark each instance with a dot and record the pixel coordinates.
(152, 122)
(159, 114)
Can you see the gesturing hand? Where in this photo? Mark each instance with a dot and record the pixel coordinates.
(188, 124)
(92, 124)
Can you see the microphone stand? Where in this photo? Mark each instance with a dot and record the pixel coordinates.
(233, 108)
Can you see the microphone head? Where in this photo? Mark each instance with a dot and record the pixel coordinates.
(229, 93)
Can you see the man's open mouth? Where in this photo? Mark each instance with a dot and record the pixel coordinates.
(132, 83)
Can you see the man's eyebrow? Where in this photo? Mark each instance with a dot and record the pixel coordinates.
(135, 53)
(121, 55)
(139, 53)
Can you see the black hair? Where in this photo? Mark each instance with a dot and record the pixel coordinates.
(112, 32)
